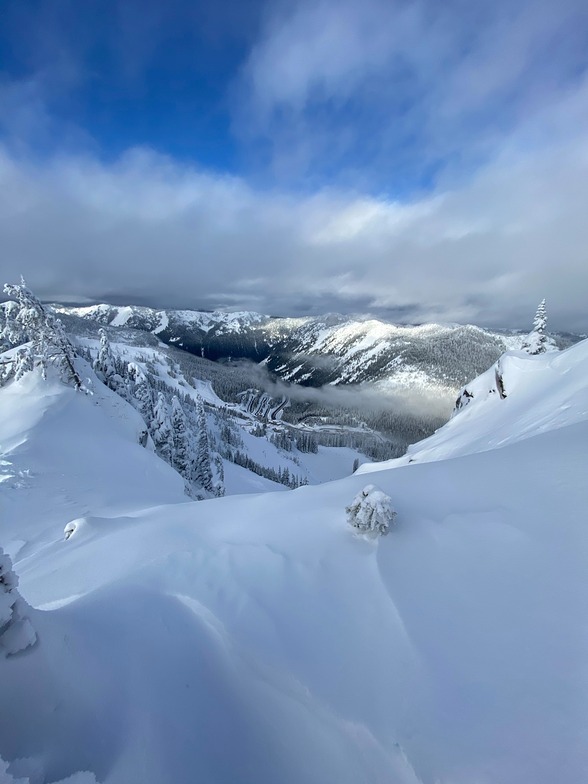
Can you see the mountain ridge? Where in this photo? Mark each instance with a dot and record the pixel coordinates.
(331, 349)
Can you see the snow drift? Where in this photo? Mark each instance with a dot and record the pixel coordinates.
(257, 639)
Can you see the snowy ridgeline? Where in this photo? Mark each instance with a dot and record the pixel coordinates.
(322, 350)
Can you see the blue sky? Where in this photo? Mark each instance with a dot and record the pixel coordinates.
(416, 160)
(120, 74)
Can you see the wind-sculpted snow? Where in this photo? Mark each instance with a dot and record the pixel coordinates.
(258, 639)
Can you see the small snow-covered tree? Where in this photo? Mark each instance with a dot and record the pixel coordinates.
(161, 429)
(538, 341)
(28, 321)
(16, 631)
(371, 511)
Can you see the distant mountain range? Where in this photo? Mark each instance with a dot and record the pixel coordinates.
(331, 349)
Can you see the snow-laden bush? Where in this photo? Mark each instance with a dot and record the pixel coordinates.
(371, 511)
(16, 632)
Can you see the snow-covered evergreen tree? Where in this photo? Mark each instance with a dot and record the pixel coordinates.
(16, 631)
(105, 365)
(538, 341)
(181, 459)
(161, 430)
(202, 462)
(218, 476)
(140, 392)
(24, 362)
(28, 321)
(371, 511)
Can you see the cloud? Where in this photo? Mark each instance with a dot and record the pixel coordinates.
(149, 230)
(395, 90)
(370, 398)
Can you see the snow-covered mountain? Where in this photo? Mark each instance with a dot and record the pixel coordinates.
(259, 639)
(380, 387)
(378, 420)
(329, 349)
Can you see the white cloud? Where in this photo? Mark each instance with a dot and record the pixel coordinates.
(146, 229)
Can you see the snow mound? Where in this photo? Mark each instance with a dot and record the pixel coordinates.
(16, 631)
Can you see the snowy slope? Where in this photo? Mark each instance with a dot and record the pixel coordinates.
(543, 393)
(330, 462)
(64, 454)
(255, 640)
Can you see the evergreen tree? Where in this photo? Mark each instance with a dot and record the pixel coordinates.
(202, 468)
(218, 476)
(140, 394)
(538, 341)
(105, 363)
(181, 459)
(24, 362)
(161, 429)
(29, 321)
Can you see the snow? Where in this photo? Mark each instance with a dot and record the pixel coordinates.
(163, 323)
(239, 480)
(256, 639)
(64, 453)
(221, 321)
(88, 311)
(121, 318)
(330, 463)
(19, 636)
